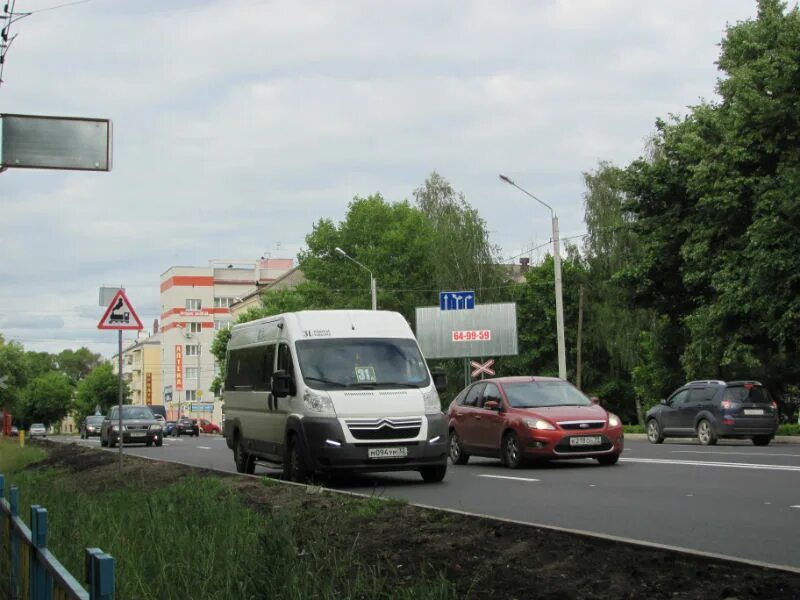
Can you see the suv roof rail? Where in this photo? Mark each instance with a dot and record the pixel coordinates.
(716, 381)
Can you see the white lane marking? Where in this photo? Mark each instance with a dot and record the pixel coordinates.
(508, 477)
(795, 506)
(697, 463)
(739, 453)
(767, 503)
(592, 485)
(204, 447)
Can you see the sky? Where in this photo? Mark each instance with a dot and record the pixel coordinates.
(239, 124)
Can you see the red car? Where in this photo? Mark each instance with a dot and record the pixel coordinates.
(538, 418)
(207, 426)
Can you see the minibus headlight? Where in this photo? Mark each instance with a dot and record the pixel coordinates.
(432, 403)
(319, 403)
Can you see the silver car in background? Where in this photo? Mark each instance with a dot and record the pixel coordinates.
(37, 429)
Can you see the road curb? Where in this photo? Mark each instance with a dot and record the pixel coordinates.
(779, 439)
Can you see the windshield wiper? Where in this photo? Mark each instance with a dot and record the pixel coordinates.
(328, 381)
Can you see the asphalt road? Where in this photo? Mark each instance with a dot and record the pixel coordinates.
(733, 499)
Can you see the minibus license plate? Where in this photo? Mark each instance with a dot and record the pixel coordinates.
(588, 440)
(754, 411)
(387, 452)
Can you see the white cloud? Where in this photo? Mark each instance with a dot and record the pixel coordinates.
(238, 124)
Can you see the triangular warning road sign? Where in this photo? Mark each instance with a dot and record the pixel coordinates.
(120, 314)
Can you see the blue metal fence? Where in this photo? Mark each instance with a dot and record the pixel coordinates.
(28, 570)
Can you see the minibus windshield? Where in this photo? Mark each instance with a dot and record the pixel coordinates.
(361, 363)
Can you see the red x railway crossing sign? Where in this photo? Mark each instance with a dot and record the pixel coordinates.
(482, 368)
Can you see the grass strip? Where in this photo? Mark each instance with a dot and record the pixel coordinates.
(196, 538)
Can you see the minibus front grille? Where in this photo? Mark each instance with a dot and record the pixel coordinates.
(397, 428)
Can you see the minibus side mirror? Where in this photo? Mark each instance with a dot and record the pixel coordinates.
(281, 384)
(439, 381)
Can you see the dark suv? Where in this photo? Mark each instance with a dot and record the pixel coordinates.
(713, 409)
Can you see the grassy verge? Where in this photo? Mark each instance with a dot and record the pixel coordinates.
(785, 429)
(197, 538)
(634, 429)
(14, 458)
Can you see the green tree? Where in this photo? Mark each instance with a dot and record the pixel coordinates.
(716, 211)
(77, 364)
(47, 398)
(464, 256)
(39, 363)
(99, 388)
(393, 240)
(14, 369)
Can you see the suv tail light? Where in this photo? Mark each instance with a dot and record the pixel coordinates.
(774, 405)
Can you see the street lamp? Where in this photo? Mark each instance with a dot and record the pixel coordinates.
(372, 281)
(562, 358)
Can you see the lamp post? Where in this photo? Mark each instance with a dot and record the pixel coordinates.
(562, 358)
(372, 281)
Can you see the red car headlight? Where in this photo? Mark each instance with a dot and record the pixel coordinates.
(539, 424)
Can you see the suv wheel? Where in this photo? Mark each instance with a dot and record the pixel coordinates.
(654, 433)
(457, 454)
(706, 433)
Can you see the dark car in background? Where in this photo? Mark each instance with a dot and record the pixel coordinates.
(713, 409)
(91, 426)
(531, 418)
(186, 426)
(139, 426)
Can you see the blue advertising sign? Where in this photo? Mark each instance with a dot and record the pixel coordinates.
(457, 300)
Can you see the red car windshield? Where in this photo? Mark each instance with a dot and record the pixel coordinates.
(540, 394)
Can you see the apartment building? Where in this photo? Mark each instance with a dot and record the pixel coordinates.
(195, 304)
(141, 368)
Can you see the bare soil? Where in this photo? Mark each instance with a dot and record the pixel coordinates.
(482, 558)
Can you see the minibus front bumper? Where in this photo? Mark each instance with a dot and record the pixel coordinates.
(328, 450)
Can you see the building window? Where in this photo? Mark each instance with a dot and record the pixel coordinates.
(222, 325)
(192, 349)
(193, 327)
(223, 302)
(191, 395)
(193, 304)
(191, 374)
